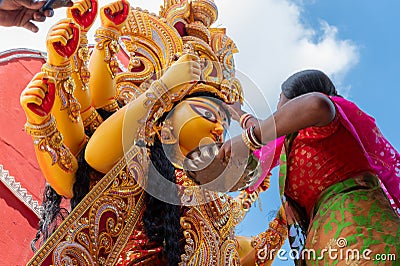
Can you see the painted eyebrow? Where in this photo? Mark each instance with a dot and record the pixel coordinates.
(206, 103)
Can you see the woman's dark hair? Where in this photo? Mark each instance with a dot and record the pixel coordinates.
(308, 81)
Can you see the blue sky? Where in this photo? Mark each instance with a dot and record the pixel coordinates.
(356, 42)
(372, 82)
(374, 27)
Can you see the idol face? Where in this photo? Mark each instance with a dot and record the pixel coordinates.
(198, 121)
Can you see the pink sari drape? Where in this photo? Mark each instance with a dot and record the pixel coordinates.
(381, 155)
(268, 156)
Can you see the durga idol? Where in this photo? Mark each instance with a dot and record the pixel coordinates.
(112, 126)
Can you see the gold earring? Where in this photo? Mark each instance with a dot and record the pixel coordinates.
(166, 135)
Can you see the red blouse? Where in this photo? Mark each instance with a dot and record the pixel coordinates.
(320, 157)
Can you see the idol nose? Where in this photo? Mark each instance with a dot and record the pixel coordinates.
(218, 130)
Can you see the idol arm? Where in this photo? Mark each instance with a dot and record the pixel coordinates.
(262, 249)
(62, 43)
(56, 125)
(251, 249)
(127, 126)
(56, 161)
(103, 65)
(53, 112)
(84, 14)
(102, 91)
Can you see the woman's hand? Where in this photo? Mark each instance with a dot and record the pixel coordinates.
(38, 98)
(62, 42)
(234, 150)
(114, 15)
(186, 70)
(235, 110)
(84, 13)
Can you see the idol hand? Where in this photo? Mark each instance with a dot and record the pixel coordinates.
(114, 15)
(186, 70)
(84, 13)
(62, 42)
(38, 98)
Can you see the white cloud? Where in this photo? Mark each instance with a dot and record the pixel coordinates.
(272, 40)
(274, 43)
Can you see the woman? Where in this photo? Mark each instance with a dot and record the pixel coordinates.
(333, 158)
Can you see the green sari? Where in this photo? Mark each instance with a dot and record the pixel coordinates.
(352, 223)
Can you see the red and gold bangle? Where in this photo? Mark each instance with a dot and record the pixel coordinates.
(253, 137)
(247, 141)
(243, 119)
(250, 139)
(41, 131)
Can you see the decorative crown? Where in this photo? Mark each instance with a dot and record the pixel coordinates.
(154, 42)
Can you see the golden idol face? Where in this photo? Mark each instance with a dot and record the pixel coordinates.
(198, 121)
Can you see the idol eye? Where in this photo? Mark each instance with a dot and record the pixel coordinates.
(204, 112)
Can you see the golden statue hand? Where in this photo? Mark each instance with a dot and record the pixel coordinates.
(37, 98)
(186, 70)
(84, 13)
(62, 42)
(114, 15)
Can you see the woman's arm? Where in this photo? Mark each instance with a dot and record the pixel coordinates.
(311, 109)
